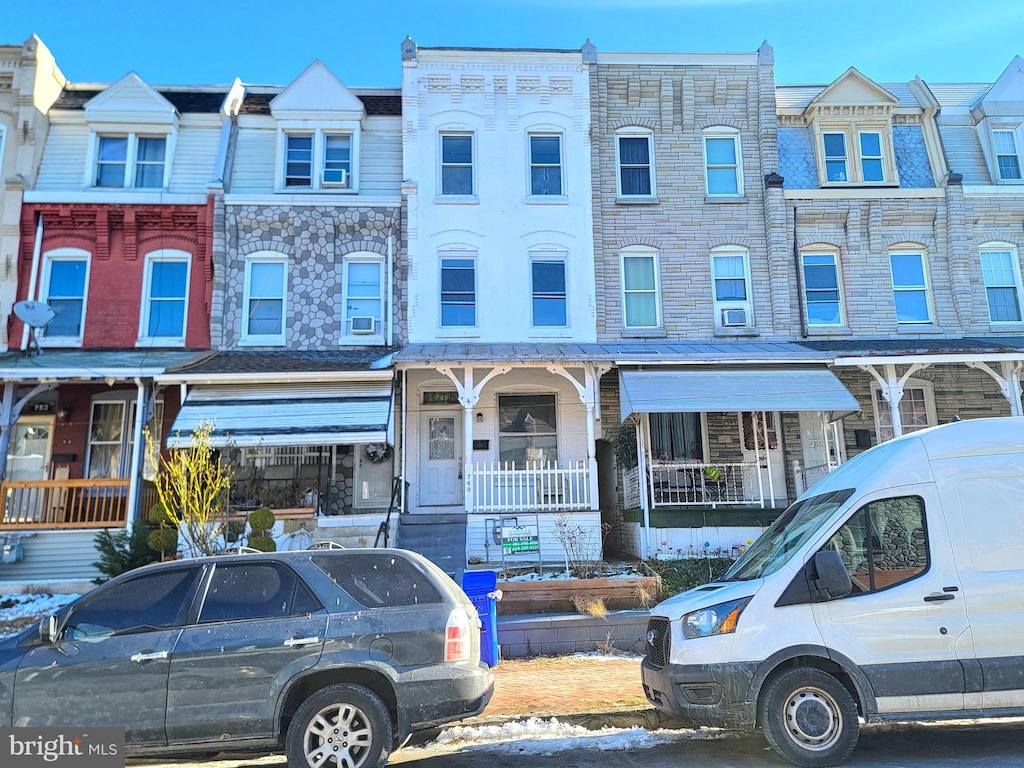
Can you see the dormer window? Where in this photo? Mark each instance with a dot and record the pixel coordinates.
(857, 157)
(318, 159)
(871, 156)
(835, 157)
(130, 160)
(1007, 156)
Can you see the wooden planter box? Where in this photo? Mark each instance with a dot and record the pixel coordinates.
(555, 596)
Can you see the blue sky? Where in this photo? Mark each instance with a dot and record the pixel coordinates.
(265, 41)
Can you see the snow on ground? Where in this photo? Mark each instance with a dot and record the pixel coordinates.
(18, 611)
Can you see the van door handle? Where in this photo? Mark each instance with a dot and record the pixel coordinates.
(301, 641)
(141, 657)
(938, 597)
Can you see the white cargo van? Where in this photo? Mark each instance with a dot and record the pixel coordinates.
(891, 590)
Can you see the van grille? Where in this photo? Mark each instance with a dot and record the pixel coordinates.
(658, 641)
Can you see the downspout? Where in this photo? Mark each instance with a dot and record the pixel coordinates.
(799, 281)
(391, 289)
(135, 471)
(33, 278)
(401, 458)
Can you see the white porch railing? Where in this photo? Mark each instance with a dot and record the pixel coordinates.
(805, 477)
(539, 486)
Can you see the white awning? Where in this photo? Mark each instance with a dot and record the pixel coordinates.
(282, 415)
(739, 389)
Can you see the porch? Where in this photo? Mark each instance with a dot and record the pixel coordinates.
(68, 504)
(536, 487)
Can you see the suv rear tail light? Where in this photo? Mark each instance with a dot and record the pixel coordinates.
(458, 636)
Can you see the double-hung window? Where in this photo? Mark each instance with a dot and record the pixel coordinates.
(318, 160)
(871, 165)
(458, 292)
(640, 288)
(1007, 157)
(821, 289)
(910, 287)
(165, 301)
(835, 157)
(1001, 273)
(730, 279)
(363, 290)
(634, 155)
(722, 168)
(549, 302)
(852, 156)
(129, 160)
(456, 164)
(545, 165)
(65, 282)
(264, 299)
(298, 168)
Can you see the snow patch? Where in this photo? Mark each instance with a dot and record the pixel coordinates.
(17, 608)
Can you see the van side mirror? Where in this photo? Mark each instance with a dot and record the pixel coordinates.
(824, 577)
(48, 629)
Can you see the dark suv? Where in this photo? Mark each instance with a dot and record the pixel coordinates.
(336, 655)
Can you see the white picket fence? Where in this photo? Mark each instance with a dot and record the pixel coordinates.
(538, 486)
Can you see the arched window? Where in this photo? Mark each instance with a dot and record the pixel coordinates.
(65, 287)
(165, 298)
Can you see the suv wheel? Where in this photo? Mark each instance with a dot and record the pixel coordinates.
(810, 718)
(340, 726)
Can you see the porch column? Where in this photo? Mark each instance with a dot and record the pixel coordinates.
(589, 396)
(138, 452)
(891, 386)
(642, 435)
(1008, 380)
(10, 410)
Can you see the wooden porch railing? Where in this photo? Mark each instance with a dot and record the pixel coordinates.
(34, 504)
(539, 486)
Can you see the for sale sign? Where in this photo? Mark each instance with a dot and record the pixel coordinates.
(518, 539)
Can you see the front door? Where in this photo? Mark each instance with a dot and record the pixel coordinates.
(761, 441)
(441, 455)
(28, 455)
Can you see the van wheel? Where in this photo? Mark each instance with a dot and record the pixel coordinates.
(810, 718)
(340, 726)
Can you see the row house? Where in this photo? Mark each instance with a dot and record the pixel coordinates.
(115, 268)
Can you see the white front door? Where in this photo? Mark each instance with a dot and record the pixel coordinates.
(441, 459)
(761, 441)
(28, 454)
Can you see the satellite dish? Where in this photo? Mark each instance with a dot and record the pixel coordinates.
(36, 315)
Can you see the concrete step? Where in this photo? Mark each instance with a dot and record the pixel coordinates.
(439, 538)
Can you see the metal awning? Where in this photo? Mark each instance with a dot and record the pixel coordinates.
(733, 389)
(282, 415)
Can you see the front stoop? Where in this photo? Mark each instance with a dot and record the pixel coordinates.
(441, 538)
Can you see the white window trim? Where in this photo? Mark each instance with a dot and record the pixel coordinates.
(854, 168)
(635, 132)
(720, 306)
(246, 339)
(3, 144)
(529, 164)
(65, 254)
(1017, 134)
(861, 157)
(997, 247)
(473, 164)
(377, 337)
(133, 134)
(318, 132)
(839, 286)
(129, 402)
(470, 256)
(927, 287)
(644, 251)
(561, 257)
(724, 132)
(165, 255)
(912, 383)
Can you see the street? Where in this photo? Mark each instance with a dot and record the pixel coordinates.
(998, 745)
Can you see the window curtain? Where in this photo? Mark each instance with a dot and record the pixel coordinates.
(676, 437)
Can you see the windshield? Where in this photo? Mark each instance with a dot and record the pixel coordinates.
(785, 536)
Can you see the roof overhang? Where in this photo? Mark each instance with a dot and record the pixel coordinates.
(88, 366)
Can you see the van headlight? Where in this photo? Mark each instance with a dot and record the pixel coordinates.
(719, 619)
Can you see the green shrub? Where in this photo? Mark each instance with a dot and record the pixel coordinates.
(234, 530)
(688, 572)
(158, 515)
(120, 553)
(262, 543)
(261, 521)
(163, 540)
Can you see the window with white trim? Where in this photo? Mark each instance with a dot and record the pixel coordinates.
(640, 300)
(548, 287)
(362, 286)
(545, 165)
(263, 299)
(822, 290)
(1007, 156)
(111, 435)
(65, 288)
(372, 480)
(871, 165)
(634, 159)
(835, 157)
(130, 161)
(1001, 273)
(165, 298)
(458, 292)
(730, 281)
(910, 287)
(848, 155)
(318, 160)
(723, 170)
(457, 164)
(917, 409)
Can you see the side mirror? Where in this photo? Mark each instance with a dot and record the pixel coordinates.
(48, 629)
(833, 579)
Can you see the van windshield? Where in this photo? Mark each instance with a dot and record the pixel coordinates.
(785, 536)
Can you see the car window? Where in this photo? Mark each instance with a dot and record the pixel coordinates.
(884, 543)
(141, 604)
(255, 591)
(378, 579)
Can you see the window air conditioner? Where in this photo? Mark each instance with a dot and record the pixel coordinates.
(734, 317)
(362, 324)
(335, 177)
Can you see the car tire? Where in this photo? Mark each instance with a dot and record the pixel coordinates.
(810, 718)
(337, 723)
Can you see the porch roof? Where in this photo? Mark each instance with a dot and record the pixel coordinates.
(90, 364)
(966, 349)
(242, 366)
(288, 415)
(733, 389)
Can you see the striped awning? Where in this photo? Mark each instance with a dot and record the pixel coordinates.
(282, 415)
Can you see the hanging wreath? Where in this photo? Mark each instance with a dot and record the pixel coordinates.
(378, 453)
